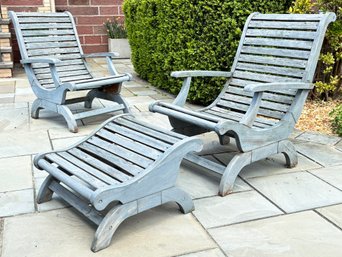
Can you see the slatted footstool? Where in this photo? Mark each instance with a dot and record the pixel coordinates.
(123, 168)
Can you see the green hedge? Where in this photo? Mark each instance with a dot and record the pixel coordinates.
(169, 35)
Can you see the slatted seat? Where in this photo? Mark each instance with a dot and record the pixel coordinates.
(264, 94)
(55, 65)
(123, 168)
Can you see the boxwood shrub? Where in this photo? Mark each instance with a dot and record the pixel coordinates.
(170, 35)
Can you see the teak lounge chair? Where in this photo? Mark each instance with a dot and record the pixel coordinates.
(124, 168)
(55, 65)
(264, 94)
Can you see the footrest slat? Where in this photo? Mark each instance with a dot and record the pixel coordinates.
(96, 112)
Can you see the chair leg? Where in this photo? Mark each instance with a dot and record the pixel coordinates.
(179, 196)
(35, 108)
(89, 98)
(287, 148)
(232, 171)
(69, 117)
(45, 193)
(110, 223)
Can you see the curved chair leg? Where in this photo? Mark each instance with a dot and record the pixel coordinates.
(287, 148)
(118, 99)
(232, 171)
(110, 223)
(35, 108)
(45, 193)
(179, 196)
(69, 117)
(89, 98)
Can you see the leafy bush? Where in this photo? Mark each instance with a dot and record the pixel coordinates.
(169, 35)
(329, 72)
(336, 114)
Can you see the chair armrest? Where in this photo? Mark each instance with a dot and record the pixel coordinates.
(98, 55)
(260, 87)
(40, 60)
(200, 73)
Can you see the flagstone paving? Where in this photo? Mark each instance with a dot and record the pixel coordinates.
(273, 210)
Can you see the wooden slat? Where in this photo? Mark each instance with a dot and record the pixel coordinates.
(283, 24)
(50, 51)
(60, 69)
(237, 114)
(51, 38)
(52, 45)
(299, 73)
(243, 83)
(299, 54)
(63, 74)
(266, 33)
(263, 104)
(33, 26)
(266, 96)
(124, 166)
(272, 60)
(91, 170)
(155, 128)
(147, 131)
(78, 172)
(41, 14)
(244, 107)
(120, 151)
(66, 79)
(152, 142)
(286, 43)
(43, 20)
(262, 77)
(114, 173)
(134, 146)
(289, 17)
(47, 32)
(64, 62)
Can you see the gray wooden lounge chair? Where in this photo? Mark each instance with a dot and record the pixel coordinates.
(55, 65)
(264, 94)
(122, 169)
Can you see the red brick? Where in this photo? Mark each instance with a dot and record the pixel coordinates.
(84, 30)
(95, 48)
(97, 20)
(22, 2)
(82, 10)
(106, 2)
(61, 2)
(23, 9)
(104, 39)
(81, 39)
(114, 10)
(92, 40)
(78, 2)
(99, 30)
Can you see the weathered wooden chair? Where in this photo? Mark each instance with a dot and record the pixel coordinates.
(264, 94)
(123, 168)
(55, 65)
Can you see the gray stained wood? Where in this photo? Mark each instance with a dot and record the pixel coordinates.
(124, 163)
(263, 97)
(55, 64)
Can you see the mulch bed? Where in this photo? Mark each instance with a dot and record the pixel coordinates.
(315, 116)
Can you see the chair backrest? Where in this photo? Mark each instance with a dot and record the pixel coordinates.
(53, 35)
(274, 48)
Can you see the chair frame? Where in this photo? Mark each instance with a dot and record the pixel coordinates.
(253, 143)
(54, 99)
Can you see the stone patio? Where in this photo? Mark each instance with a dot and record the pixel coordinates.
(273, 211)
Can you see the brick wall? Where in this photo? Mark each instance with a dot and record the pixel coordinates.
(90, 16)
(24, 6)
